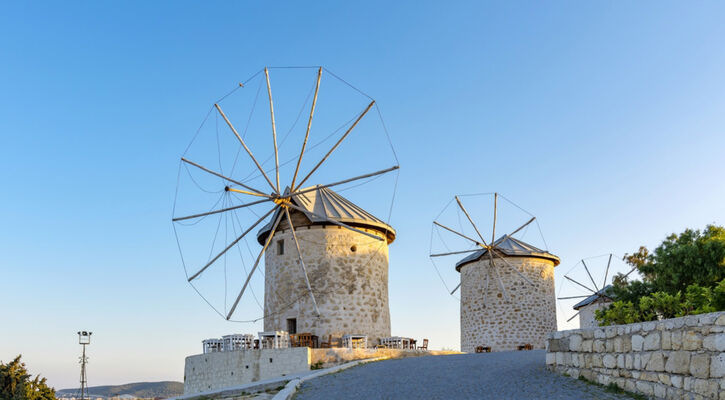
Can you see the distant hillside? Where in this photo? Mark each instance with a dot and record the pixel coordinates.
(139, 389)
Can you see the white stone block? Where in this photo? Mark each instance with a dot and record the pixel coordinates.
(652, 341)
(575, 342)
(700, 366)
(645, 388)
(550, 358)
(609, 361)
(691, 340)
(717, 366)
(678, 362)
(637, 342)
(660, 391)
(714, 342)
(656, 362)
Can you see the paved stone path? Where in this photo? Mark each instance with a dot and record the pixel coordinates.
(505, 375)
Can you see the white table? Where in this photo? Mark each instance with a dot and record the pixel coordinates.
(274, 340)
(395, 342)
(238, 342)
(355, 341)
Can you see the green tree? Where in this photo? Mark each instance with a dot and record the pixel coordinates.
(684, 275)
(692, 257)
(17, 384)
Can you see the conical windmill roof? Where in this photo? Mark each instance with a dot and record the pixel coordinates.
(601, 294)
(508, 246)
(325, 202)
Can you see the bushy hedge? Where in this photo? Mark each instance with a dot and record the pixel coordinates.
(659, 305)
(685, 275)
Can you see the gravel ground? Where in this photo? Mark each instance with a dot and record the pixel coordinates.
(505, 375)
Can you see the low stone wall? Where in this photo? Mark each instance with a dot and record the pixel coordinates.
(678, 358)
(213, 371)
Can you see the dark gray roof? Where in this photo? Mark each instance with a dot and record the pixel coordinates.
(325, 202)
(508, 246)
(601, 294)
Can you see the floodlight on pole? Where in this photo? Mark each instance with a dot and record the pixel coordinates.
(84, 338)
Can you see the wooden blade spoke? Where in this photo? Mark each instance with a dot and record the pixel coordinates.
(302, 262)
(485, 289)
(579, 284)
(498, 278)
(456, 288)
(523, 226)
(495, 206)
(453, 252)
(590, 275)
(332, 221)
(256, 264)
(221, 210)
(460, 234)
(577, 313)
(259, 193)
(460, 205)
(515, 269)
(606, 273)
(235, 241)
(274, 127)
(259, 167)
(309, 125)
(382, 171)
(571, 297)
(338, 143)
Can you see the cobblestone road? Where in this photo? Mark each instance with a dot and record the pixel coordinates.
(506, 375)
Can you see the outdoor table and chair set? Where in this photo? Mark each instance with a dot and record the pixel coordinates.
(283, 339)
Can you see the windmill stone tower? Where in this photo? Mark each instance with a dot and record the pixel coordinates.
(488, 318)
(348, 271)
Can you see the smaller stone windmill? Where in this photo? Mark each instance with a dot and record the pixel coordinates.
(519, 307)
(596, 296)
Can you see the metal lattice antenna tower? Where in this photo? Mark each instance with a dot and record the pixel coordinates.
(84, 338)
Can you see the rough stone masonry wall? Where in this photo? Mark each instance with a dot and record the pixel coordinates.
(348, 273)
(213, 371)
(527, 318)
(678, 358)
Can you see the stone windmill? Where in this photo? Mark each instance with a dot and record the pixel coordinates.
(347, 268)
(588, 294)
(507, 289)
(325, 259)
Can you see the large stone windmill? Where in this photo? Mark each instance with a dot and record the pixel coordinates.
(507, 290)
(325, 266)
(347, 269)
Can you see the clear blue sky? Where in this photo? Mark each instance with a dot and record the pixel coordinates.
(604, 119)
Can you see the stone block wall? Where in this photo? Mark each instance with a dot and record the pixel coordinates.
(680, 358)
(489, 320)
(348, 273)
(213, 371)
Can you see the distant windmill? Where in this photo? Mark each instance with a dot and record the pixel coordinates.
(598, 295)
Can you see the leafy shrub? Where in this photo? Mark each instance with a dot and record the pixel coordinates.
(684, 275)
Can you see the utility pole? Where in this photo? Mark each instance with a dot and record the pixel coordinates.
(84, 338)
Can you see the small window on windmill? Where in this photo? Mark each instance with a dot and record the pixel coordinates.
(280, 247)
(292, 325)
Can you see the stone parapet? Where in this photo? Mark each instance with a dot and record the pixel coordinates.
(673, 359)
